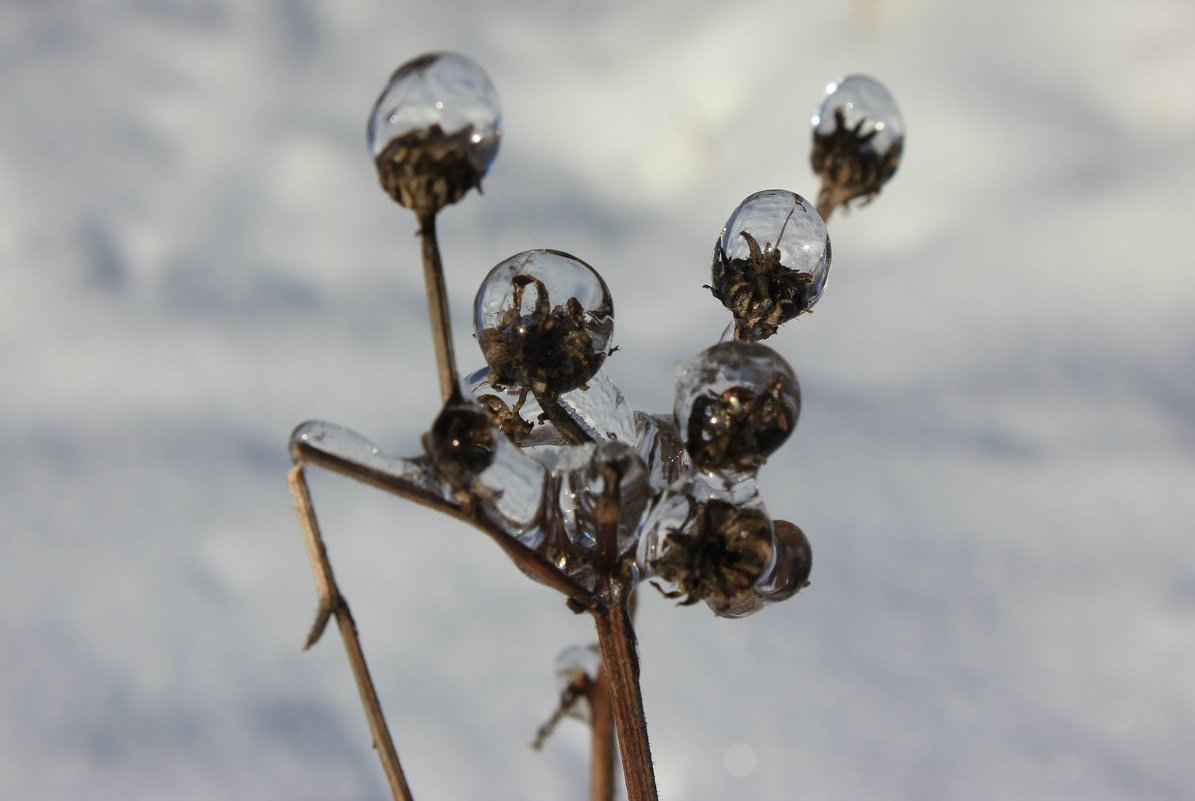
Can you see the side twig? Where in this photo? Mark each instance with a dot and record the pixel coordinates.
(333, 604)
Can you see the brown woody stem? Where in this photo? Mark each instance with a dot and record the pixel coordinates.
(333, 604)
(564, 423)
(601, 749)
(437, 306)
(620, 665)
(616, 638)
(826, 204)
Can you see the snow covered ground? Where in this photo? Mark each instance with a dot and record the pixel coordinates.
(994, 460)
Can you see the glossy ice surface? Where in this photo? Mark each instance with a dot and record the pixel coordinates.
(447, 91)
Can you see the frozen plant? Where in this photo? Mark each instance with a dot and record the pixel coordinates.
(539, 449)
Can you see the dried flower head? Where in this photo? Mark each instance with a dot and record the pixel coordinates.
(718, 555)
(530, 342)
(736, 403)
(434, 131)
(858, 136)
(770, 263)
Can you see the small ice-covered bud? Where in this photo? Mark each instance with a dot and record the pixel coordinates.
(708, 550)
(576, 666)
(770, 262)
(433, 132)
(460, 443)
(736, 403)
(858, 136)
(794, 561)
(697, 544)
(544, 320)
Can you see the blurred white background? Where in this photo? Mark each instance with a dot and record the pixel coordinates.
(994, 460)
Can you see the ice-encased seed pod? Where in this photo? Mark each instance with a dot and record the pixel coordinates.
(434, 131)
(736, 403)
(544, 320)
(858, 136)
(460, 443)
(701, 548)
(794, 561)
(771, 262)
(575, 667)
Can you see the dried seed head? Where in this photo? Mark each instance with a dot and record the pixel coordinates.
(736, 403)
(434, 131)
(544, 320)
(717, 556)
(858, 136)
(770, 263)
(460, 443)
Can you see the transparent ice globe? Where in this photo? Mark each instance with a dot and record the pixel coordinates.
(460, 443)
(697, 544)
(770, 262)
(736, 403)
(544, 320)
(794, 561)
(858, 136)
(434, 130)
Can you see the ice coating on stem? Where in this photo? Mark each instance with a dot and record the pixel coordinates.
(599, 409)
(335, 443)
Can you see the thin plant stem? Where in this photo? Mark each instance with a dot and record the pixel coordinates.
(601, 739)
(437, 306)
(564, 422)
(601, 759)
(616, 639)
(534, 564)
(825, 204)
(332, 603)
(620, 664)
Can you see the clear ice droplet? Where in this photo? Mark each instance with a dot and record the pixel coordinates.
(862, 100)
(858, 138)
(434, 130)
(736, 403)
(703, 540)
(794, 561)
(771, 262)
(544, 320)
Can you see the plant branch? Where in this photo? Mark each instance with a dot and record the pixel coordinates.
(826, 204)
(565, 423)
(616, 639)
(620, 664)
(403, 479)
(333, 604)
(437, 306)
(601, 739)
